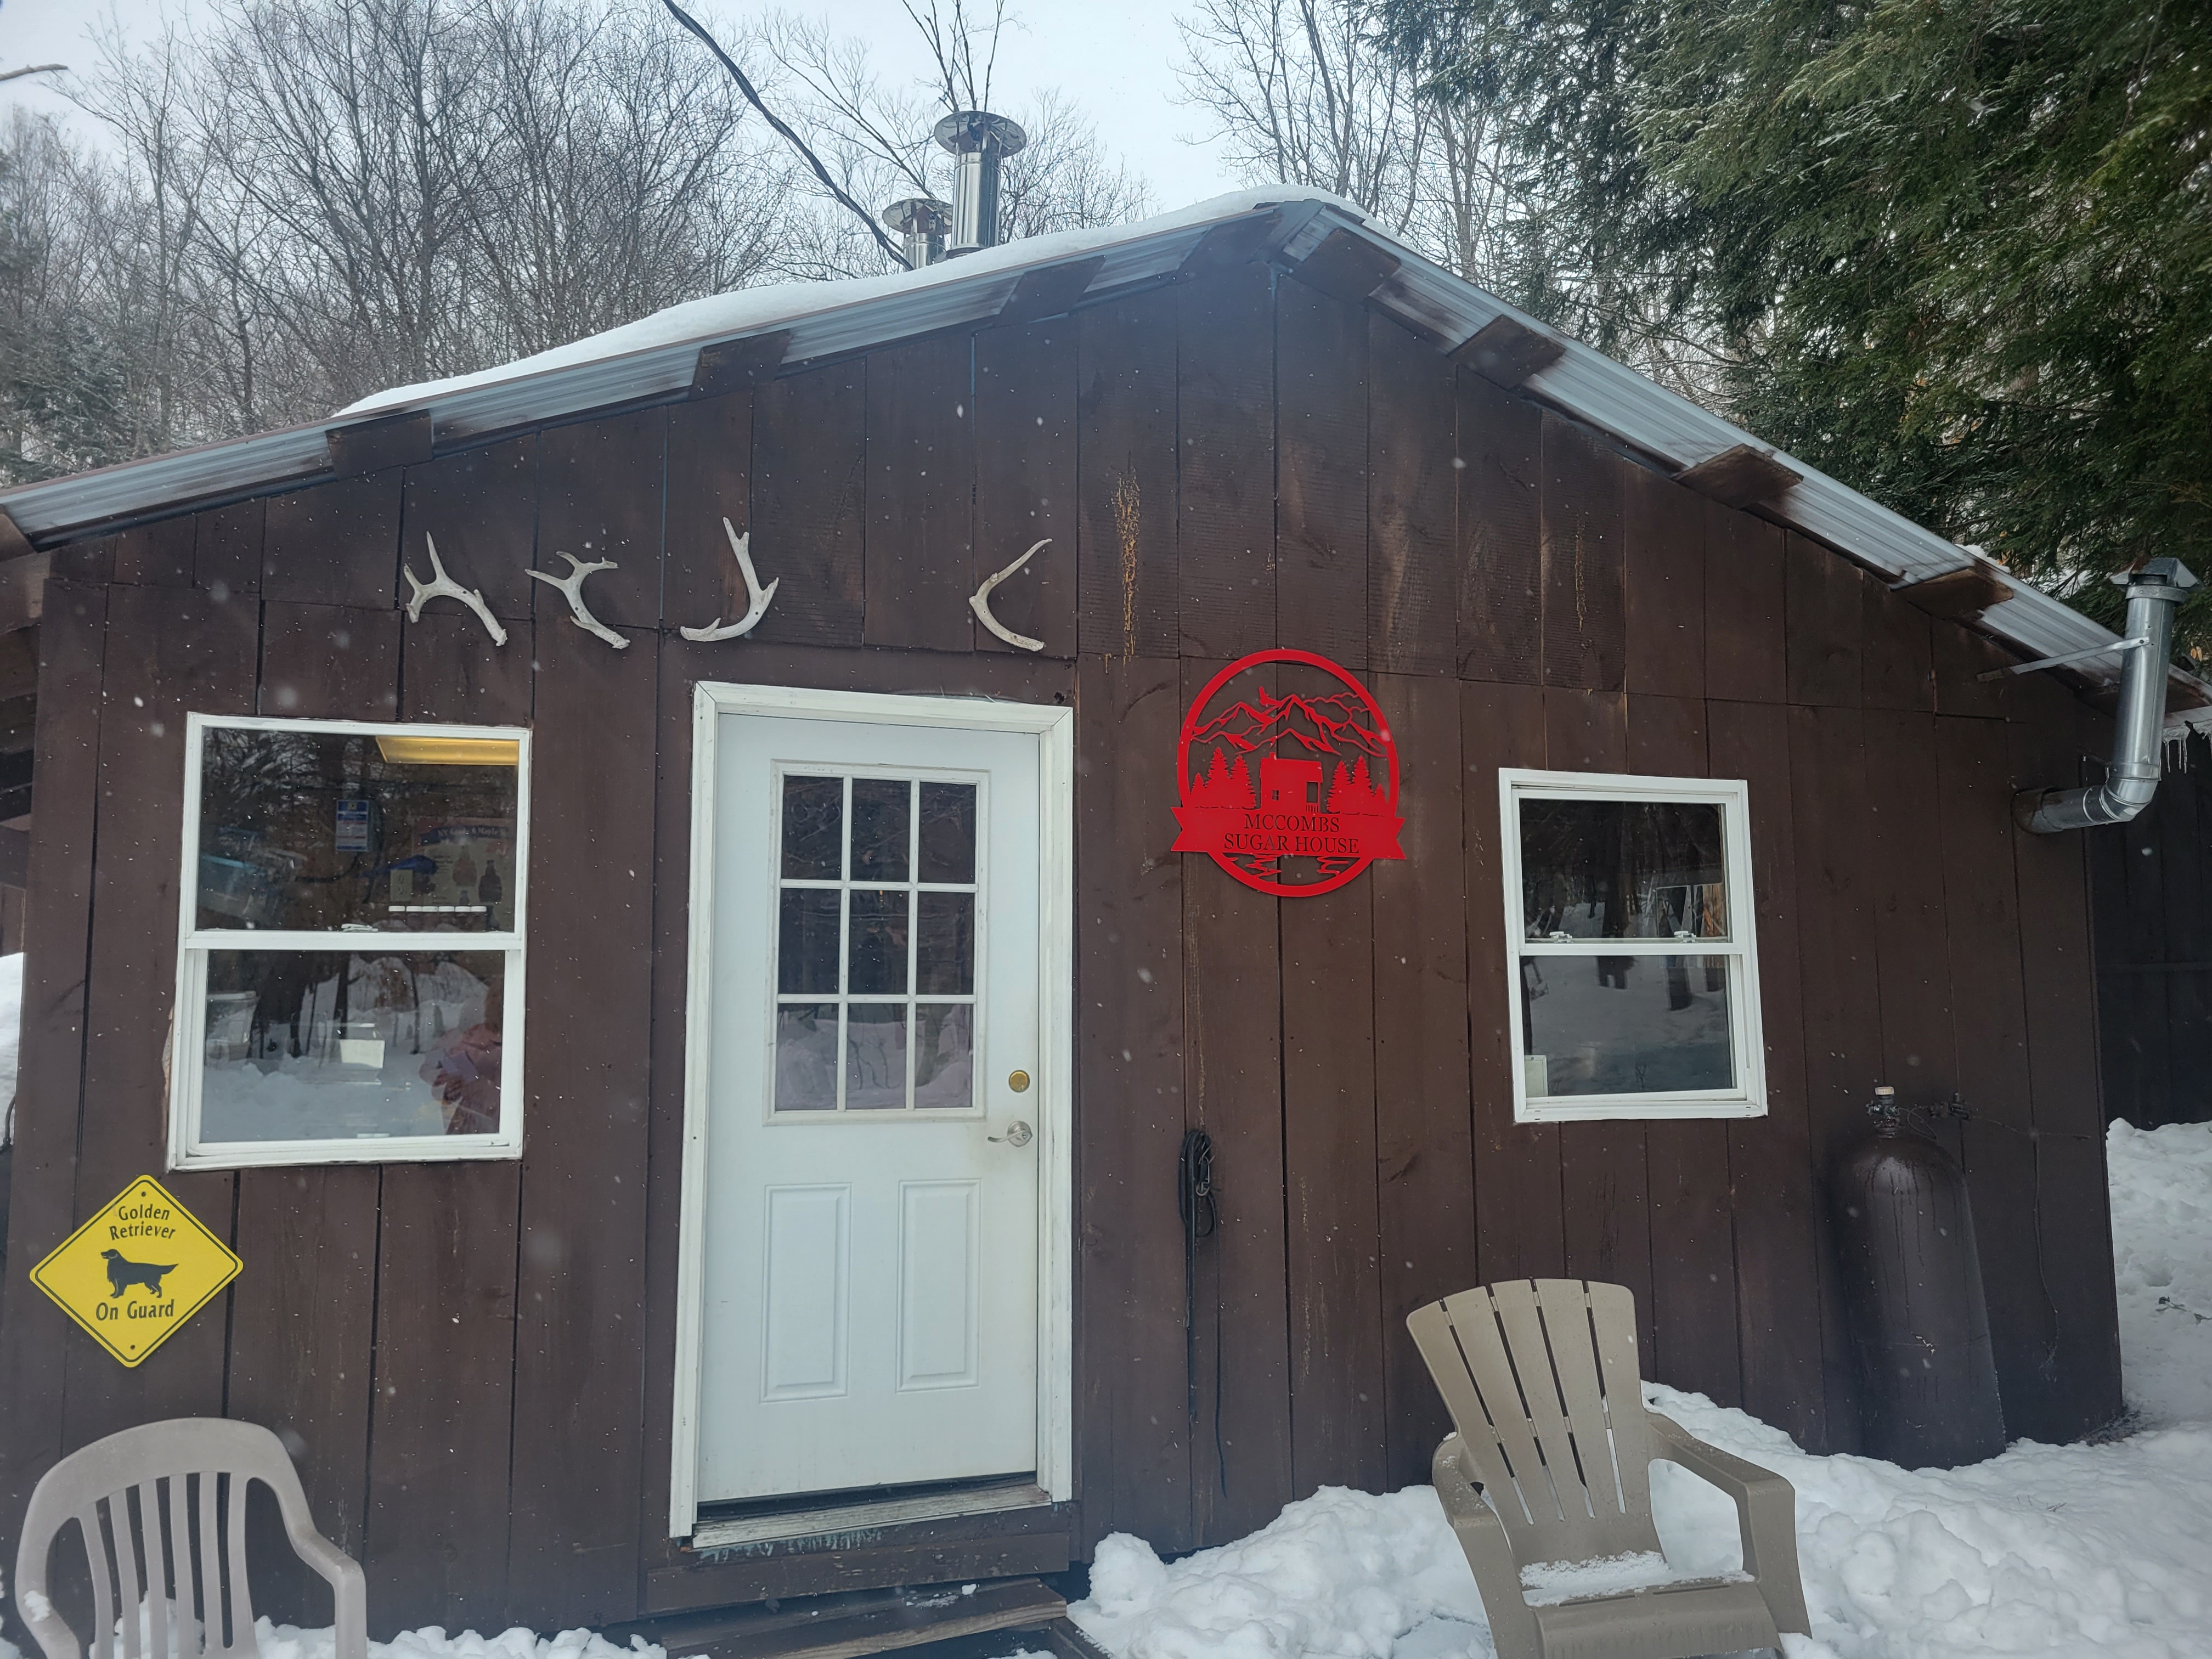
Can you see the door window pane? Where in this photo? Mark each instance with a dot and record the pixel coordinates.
(325, 1045)
(806, 1057)
(1618, 1025)
(806, 941)
(1621, 869)
(944, 944)
(948, 832)
(944, 1055)
(814, 828)
(313, 830)
(881, 828)
(875, 1056)
(878, 941)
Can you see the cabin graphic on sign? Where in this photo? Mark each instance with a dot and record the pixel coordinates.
(1324, 800)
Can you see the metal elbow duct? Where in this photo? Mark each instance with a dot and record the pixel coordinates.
(2131, 777)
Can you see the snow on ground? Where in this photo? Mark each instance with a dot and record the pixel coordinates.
(2044, 1551)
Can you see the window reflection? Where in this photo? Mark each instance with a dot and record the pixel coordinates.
(1622, 869)
(321, 1045)
(1626, 1025)
(315, 831)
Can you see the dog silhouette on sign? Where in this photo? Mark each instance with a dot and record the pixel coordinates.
(122, 1274)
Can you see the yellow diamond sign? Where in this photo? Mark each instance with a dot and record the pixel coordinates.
(136, 1271)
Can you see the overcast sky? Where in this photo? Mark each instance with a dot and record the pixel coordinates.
(1114, 61)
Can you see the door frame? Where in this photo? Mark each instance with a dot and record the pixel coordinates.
(1054, 728)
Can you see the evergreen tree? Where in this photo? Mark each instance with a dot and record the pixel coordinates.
(1956, 252)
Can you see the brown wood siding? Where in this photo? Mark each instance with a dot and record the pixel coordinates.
(477, 1358)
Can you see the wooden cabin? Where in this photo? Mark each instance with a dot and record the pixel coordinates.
(822, 1229)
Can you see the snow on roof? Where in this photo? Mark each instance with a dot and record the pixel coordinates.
(759, 310)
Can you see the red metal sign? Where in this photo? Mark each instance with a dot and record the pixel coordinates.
(1265, 778)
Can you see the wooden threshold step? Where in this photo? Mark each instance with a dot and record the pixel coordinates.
(856, 1622)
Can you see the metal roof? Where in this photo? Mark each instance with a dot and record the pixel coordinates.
(833, 319)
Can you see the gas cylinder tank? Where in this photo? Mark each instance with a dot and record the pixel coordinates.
(1912, 1284)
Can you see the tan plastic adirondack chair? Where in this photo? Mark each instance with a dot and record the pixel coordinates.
(120, 1490)
(1540, 1378)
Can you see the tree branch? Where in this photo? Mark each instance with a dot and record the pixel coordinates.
(791, 137)
(35, 68)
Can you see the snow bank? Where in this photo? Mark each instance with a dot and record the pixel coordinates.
(2162, 1258)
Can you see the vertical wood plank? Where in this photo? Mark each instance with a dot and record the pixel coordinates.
(2073, 1199)
(578, 1336)
(1989, 1016)
(1960, 658)
(1838, 956)
(1824, 609)
(157, 555)
(479, 506)
(1025, 480)
(1126, 408)
(1746, 658)
(36, 1337)
(1693, 1296)
(303, 1315)
(227, 550)
(1321, 472)
(1665, 574)
(187, 651)
(1585, 615)
(602, 491)
(920, 544)
(1500, 447)
(335, 542)
(1134, 1447)
(1240, 1473)
(1412, 576)
(442, 1422)
(2179, 813)
(1778, 1243)
(1904, 805)
(1424, 1117)
(1333, 1230)
(710, 470)
(1898, 669)
(1225, 534)
(809, 493)
(1520, 1226)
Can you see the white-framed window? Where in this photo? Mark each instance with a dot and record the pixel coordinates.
(1633, 967)
(349, 970)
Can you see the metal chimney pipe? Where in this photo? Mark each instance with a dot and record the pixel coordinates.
(980, 141)
(923, 220)
(2131, 778)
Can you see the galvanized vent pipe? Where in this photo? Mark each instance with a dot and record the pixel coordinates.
(2131, 778)
(980, 141)
(922, 221)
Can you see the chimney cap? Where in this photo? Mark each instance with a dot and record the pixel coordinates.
(919, 215)
(967, 130)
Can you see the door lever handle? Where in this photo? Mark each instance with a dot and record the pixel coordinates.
(1017, 1134)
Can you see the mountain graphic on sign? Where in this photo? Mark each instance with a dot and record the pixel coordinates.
(1331, 726)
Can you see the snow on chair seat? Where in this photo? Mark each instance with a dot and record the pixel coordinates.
(1549, 1465)
(152, 1501)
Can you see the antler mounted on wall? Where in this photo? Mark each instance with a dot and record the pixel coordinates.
(757, 595)
(980, 603)
(572, 589)
(442, 586)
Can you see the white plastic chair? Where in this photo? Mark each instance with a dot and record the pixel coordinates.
(151, 1502)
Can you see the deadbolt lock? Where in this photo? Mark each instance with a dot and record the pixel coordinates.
(1017, 1134)
(1018, 1082)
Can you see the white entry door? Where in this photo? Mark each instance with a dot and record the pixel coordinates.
(869, 1266)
